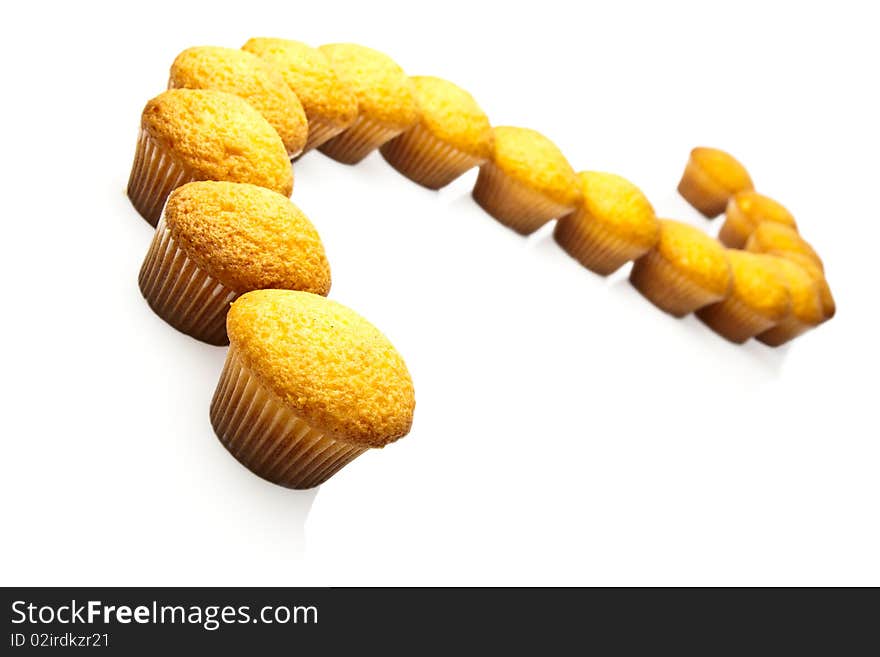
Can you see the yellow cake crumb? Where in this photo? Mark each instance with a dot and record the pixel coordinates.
(219, 136)
(535, 162)
(247, 237)
(245, 75)
(308, 72)
(384, 93)
(620, 206)
(452, 115)
(695, 255)
(333, 368)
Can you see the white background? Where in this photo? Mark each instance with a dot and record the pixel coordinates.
(566, 431)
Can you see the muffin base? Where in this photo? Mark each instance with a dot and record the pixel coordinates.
(513, 204)
(425, 159)
(734, 320)
(358, 140)
(319, 132)
(154, 175)
(785, 331)
(702, 192)
(182, 294)
(668, 288)
(269, 439)
(585, 240)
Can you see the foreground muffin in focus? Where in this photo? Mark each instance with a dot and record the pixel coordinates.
(451, 136)
(527, 181)
(806, 304)
(194, 134)
(710, 178)
(684, 271)
(245, 75)
(217, 240)
(308, 386)
(613, 223)
(758, 299)
(745, 212)
(329, 104)
(385, 99)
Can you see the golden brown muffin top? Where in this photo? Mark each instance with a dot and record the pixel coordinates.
(333, 368)
(620, 206)
(246, 75)
(219, 136)
(806, 304)
(756, 208)
(695, 255)
(778, 239)
(310, 75)
(829, 307)
(384, 92)
(247, 237)
(758, 284)
(452, 115)
(534, 161)
(722, 169)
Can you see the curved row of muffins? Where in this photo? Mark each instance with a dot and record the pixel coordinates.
(296, 402)
(778, 288)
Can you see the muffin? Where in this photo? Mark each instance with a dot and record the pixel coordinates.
(217, 240)
(193, 134)
(758, 300)
(745, 211)
(710, 178)
(451, 136)
(613, 223)
(385, 98)
(245, 75)
(527, 181)
(806, 304)
(829, 307)
(308, 386)
(781, 240)
(329, 104)
(684, 271)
